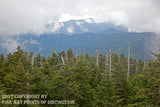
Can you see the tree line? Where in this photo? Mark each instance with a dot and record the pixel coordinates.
(91, 81)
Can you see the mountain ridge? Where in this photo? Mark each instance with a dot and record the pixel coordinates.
(106, 36)
(117, 41)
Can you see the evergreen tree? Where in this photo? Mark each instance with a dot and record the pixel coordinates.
(81, 79)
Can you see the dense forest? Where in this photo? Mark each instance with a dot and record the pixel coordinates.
(91, 81)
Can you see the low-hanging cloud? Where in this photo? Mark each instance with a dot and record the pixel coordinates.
(31, 16)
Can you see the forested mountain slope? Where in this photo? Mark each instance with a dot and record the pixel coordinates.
(112, 39)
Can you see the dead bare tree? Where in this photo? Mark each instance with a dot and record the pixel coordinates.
(66, 56)
(27, 84)
(76, 55)
(106, 63)
(145, 58)
(106, 59)
(128, 61)
(32, 61)
(41, 61)
(136, 69)
(62, 60)
(84, 53)
(110, 60)
(97, 59)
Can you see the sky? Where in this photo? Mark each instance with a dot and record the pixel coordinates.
(31, 16)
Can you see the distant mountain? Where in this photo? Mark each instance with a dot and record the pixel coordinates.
(113, 39)
(81, 26)
(79, 34)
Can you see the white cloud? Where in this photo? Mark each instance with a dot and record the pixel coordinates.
(70, 29)
(31, 16)
(67, 17)
(57, 26)
(78, 23)
(33, 42)
(25, 16)
(9, 43)
(89, 20)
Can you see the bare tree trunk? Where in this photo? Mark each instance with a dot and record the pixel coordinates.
(128, 61)
(84, 54)
(76, 55)
(62, 60)
(41, 61)
(145, 58)
(32, 62)
(106, 65)
(97, 63)
(136, 70)
(66, 57)
(106, 59)
(110, 60)
(27, 72)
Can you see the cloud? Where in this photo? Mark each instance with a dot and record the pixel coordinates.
(33, 42)
(78, 23)
(9, 43)
(89, 20)
(31, 16)
(81, 26)
(25, 16)
(32, 45)
(56, 27)
(67, 17)
(70, 29)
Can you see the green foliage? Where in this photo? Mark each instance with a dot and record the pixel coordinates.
(81, 80)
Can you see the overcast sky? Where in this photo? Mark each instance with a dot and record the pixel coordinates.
(24, 16)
